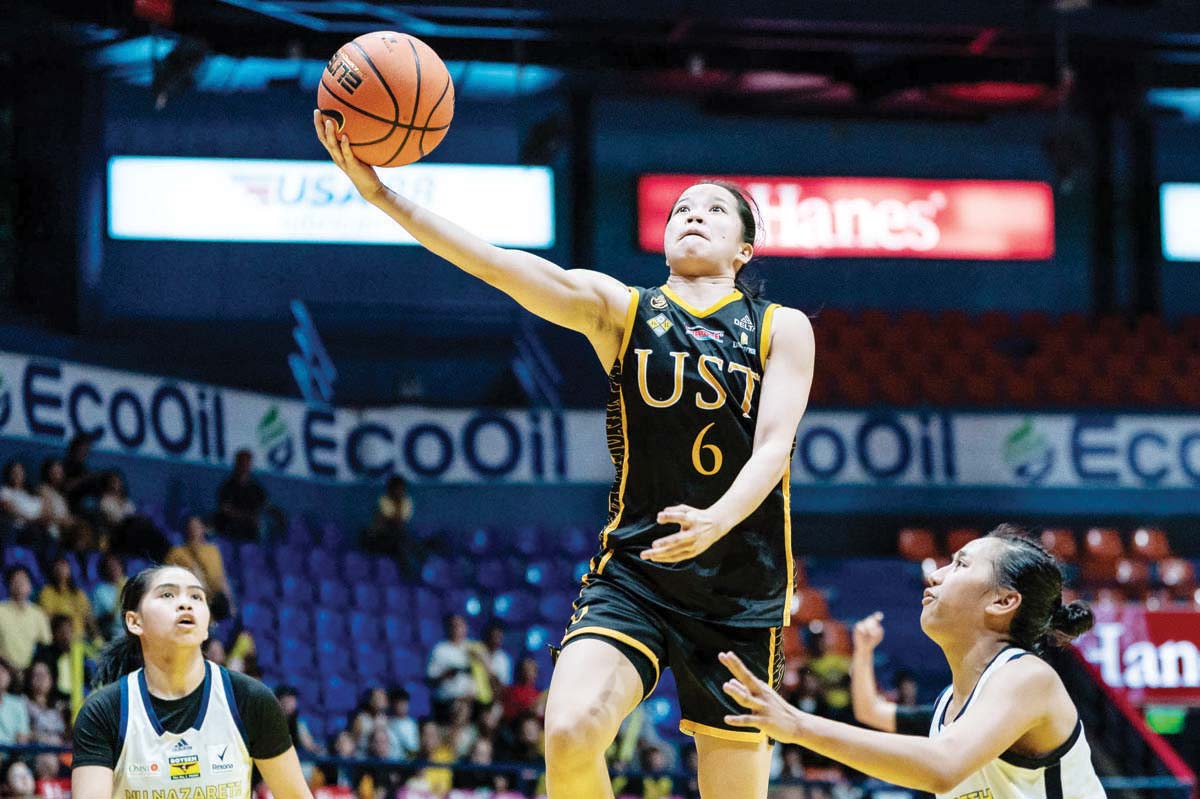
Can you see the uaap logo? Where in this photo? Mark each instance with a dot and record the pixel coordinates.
(1028, 453)
(275, 439)
(5, 403)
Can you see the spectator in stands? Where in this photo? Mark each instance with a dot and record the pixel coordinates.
(449, 668)
(57, 655)
(906, 688)
(301, 736)
(18, 781)
(47, 711)
(388, 533)
(870, 708)
(204, 560)
(371, 714)
(481, 755)
(691, 768)
(129, 532)
(653, 783)
(434, 749)
(810, 693)
(382, 779)
(23, 625)
(498, 663)
(526, 745)
(106, 597)
(70, 530)
(401, 727)
(23, 511)
(14, 713)
(523, 696)
(460, 733)
(344, 748)
(213, 650)
(241, 500)
(62, 596)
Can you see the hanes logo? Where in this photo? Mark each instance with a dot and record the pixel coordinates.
(701, 333)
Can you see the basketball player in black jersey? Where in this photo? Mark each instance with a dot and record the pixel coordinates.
(707, 387)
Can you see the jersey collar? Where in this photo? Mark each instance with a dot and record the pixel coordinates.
(733, 296)
(149, 705)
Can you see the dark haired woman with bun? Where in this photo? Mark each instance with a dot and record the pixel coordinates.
(1006, 727)
(169, 723)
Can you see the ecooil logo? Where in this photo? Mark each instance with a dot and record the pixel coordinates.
(1028, 453)
(275, 439)
(5, 403)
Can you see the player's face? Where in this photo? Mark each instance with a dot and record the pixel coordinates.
(173, 611)
(959, 592)
(704, 232)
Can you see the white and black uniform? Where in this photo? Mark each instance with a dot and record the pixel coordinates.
(1065, 773)
(203, 750)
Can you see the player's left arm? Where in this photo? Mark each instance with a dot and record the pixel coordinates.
(992, 724)
(284, 776)
(787, 378)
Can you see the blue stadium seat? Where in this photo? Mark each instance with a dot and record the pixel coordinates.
(386, 572)
(20, 556)
(578, 542)
(338, 694)
(251, 554)
(268, 653)
(498, 574)
(288, 560)
(367, 597)
(427, 603)
(333, 537)
(333, 656)
(308, 691)
(370, 662)
(526, 541)
(365, 627)
(429, 631)
(537, 637)
(316, 726)
(296, 589)
(466, 602)
(356, 567)
(407, 664)
(539, 573)
(515, 607)
(437, 572)
(298, 534)
(333, 593)
(397, 599)
(481, 541)
(260, 587)
(419, 705)
(555, 606)
(258, 618)
(329, 623)
(321, 563)
(295, 655)
(398, 629)
(135, 565)
(295, 622)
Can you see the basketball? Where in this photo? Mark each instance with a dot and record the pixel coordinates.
(390, 94)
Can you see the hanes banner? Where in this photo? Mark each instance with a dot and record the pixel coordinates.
(877, 217)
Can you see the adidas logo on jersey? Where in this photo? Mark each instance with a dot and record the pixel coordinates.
(182, 746)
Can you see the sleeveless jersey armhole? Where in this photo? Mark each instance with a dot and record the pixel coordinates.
(231, 700)
(764, 344)
(630, 320)
(123, 723)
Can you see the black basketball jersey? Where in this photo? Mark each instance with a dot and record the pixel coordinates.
(683, 404)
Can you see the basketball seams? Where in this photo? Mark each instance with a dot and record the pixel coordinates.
(416, 102)
(379, 75)
(425, 129)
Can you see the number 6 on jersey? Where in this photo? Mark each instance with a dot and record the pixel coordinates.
(698, 448)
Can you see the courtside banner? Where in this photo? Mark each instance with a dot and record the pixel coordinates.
(49, 401)
(228, 199)
(1153, 656)
(993, 220)
(1180, 221)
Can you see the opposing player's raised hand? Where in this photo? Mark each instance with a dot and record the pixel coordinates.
(868, 632)
(363, 176)
(767, 710)
(698, 530)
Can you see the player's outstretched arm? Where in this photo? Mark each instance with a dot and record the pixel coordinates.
(92, 782)
(869, 707)
(284, 776)
(589, 302)
(786, 382)
(992, 724)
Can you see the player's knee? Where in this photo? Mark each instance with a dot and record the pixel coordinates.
(573, 734)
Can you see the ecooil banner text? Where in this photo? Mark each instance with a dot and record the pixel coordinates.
(50, 401)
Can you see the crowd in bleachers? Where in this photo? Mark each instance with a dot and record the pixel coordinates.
(372, 653)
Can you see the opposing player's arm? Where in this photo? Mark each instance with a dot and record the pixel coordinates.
(589, 302)
(992, 724)
(284, 776)
(869, 706)
(91, 782)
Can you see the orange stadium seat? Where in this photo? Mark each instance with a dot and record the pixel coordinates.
(1149, 543)
(808, 604)
(1133, 576)
(1103, 543)
(1178, 576)
(959, 537)
(916, 544)
(1060, 542)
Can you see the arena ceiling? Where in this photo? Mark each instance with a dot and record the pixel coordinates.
(776, 54)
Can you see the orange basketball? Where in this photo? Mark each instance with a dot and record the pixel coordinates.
(391, 94)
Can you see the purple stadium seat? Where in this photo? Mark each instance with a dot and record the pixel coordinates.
(539, 573)
(556, 605)
(429, 631)
(268, 653)
(308, 692)
(356, 567)
(365, 627)
(262, 586)
(295, 655)
(578, 542)
(515, 607)
(419, 704)
(259, 619)
(333, 656)
(370, 662)
(397, 599)
(338, 694)
(367, 597)
(332, 535)
(329, 623)
(398, 629)
(428, 604)
(481, 541)
(437, 572)
(406, 664)
(537, 637)
(297, 590)
(298, 534)
(295, 622)
(321, 563)
(288, 560)
(386, 571)
(526, 541)
(251, 555)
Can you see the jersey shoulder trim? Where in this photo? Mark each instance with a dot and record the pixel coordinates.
(123, 723)
(764, 342)
(231, 701)
(630, 320)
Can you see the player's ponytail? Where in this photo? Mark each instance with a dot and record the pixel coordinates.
(123, 654)
(1042, 619)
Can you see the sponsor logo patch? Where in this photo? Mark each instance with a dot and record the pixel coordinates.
(658, 302)
(185, 767)
(701, 333)
(660, 325)
(220, 758)
(745, 323)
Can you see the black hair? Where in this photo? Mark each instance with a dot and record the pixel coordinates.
(78, 441)
(9, 468)
(47, 465)
(1042, 619)
(286, 690)
(12, 572)
(60, 618)
(123, 655)
(396, 481)
(71, 586)
(397, 695)
(747, 280)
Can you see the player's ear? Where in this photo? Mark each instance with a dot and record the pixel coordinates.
(744, 254)
(133, 622)
(1005, 603)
